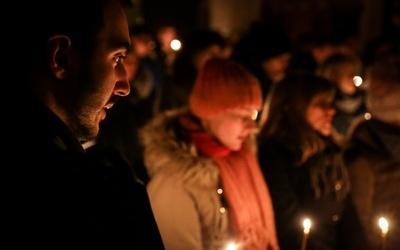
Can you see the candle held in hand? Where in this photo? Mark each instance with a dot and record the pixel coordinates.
(306, 232)
(384, 225)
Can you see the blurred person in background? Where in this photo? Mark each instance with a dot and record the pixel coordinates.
(312, 49)
(206, 187)
(377, 48)
(150, 75)
(266, 51)
(341, 69)
(54, 193)
(198, 47)
(301, 162)
(373, 160)
(164, 36)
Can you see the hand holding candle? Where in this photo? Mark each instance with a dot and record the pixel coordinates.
(306, 232)
(384, 225)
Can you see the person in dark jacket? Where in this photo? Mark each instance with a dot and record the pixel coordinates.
(53, 193)
(373, 160)
(302, 163)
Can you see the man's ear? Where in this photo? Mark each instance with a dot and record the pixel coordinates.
(57, 55)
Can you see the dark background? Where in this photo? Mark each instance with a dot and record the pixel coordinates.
(363, 19)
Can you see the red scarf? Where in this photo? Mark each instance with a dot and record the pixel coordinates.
(246, 192)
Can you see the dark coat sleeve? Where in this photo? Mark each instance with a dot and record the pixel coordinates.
(277, 166)
(131, 215)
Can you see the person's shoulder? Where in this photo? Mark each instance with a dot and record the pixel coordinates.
(272, 145)
(272, 153)
(110, 162)
(364, 139)
(358, 124)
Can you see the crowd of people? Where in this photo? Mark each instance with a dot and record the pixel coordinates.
(219, 146)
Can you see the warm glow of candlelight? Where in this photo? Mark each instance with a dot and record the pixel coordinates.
(357, 81)
(307, 226)
(175, 44)
(384, 225)
(231, 246)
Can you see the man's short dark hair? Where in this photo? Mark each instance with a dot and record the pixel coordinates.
(81, 20)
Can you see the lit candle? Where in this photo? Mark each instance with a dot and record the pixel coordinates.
(384, 225)
(231, 246)
(306, 232)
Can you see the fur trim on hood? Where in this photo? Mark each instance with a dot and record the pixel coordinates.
(164, 152)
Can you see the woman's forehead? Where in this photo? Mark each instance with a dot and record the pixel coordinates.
(327, 96)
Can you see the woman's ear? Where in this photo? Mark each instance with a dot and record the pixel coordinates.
(57, 49)
(206, 125)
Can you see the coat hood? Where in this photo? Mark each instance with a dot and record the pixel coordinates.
(165, 152)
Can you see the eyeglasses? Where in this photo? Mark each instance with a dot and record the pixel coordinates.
(244, 114)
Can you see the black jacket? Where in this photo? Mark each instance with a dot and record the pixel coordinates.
(373, 160)
(55, 195)
(294, 197)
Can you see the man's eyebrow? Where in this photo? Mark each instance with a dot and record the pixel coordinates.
(127, 46)
(131, 47)
(123, 45)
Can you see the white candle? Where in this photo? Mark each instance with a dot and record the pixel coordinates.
(306, 232)
(384, 225)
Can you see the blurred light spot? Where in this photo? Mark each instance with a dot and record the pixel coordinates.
(357, 81)
(175, 44)
(231, 246)
(151, 45)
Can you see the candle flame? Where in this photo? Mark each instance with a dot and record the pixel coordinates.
(357, 81)
(231, 246)
(175, 44)
(307, 225)
(384, 225)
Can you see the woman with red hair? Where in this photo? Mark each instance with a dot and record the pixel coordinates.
(206, 187)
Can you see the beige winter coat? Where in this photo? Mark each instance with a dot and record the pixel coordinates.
(183, 189)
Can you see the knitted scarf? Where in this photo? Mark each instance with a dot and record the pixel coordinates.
(247, 194)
